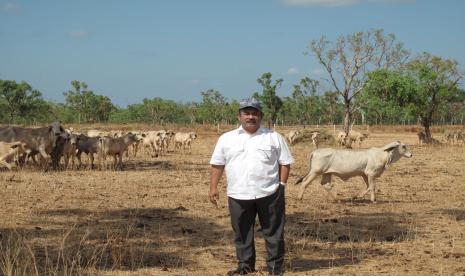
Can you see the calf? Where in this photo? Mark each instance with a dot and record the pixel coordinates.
(70, 149)
(369, 164)
(116, 147)
(88, 145)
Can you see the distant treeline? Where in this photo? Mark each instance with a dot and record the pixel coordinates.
(21, 104)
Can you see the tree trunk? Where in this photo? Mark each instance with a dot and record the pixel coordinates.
(347, 116)
(426, 123)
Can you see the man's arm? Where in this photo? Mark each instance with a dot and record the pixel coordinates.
(216, 173)
(284, 173)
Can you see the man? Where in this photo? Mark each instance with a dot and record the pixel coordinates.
(257, 162)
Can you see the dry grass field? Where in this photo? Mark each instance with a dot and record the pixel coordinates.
(153, 218)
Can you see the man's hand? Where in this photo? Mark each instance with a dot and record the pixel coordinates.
(216, 172)
(213, 195)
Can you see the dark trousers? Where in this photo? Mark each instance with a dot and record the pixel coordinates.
(271, 214)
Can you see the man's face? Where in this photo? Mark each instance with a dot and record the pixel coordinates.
(250, 119)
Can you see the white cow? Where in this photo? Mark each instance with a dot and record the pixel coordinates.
(344, 163)
(9, 151)
(292, 135)
(354, 136)
(184, 140)
(316, 138)
(153, 140)
(97, 133)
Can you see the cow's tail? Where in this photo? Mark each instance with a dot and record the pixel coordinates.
(303, 177)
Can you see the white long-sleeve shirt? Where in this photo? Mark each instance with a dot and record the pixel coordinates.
(251, 161)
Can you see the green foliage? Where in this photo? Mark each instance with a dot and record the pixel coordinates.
(272, 103)
(425, 88)
(308, 104)
(389, 97)
(212, 108)
(88, 106)
(437, 86)
(21, 104)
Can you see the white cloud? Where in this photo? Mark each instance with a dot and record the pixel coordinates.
(79, 34)
(326, 3)
(293, 71)
(317, 72)
(339, 3)
(10, 7)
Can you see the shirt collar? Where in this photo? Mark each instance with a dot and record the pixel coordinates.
(241, 130)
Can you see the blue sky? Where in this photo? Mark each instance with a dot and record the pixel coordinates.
(174, 49)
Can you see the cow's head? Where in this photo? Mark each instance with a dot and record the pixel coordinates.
(19, 147)
(193, 135)
(161, 134)
(56, 128)
(397, 150)
(73, 139)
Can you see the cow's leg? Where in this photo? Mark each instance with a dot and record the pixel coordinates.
(78, 155)
(72, 160)
(66, 160)
(371, 187)
(120, 161)
(372, 183)
(367, 184)
(326, 183)
(115, 162)
(307, 180)
(91, 156)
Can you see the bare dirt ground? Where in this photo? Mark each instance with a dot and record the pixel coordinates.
(153, 218)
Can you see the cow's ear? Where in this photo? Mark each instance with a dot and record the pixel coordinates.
(391, 146)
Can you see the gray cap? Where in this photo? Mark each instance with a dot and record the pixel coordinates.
(250, 102)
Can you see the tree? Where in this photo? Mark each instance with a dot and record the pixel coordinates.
(20, 100)
(437, 85)
(347, 61)
(389, 96)
(88, 106)
(269, 98)
(304, 95)
(331, 102)
(212, 108)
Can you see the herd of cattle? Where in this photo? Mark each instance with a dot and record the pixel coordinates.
(51, 144)
(451, 137)
(20, 145)
(341, 138)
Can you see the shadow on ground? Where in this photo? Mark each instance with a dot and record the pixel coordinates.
(126, 239)
(330, 242)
